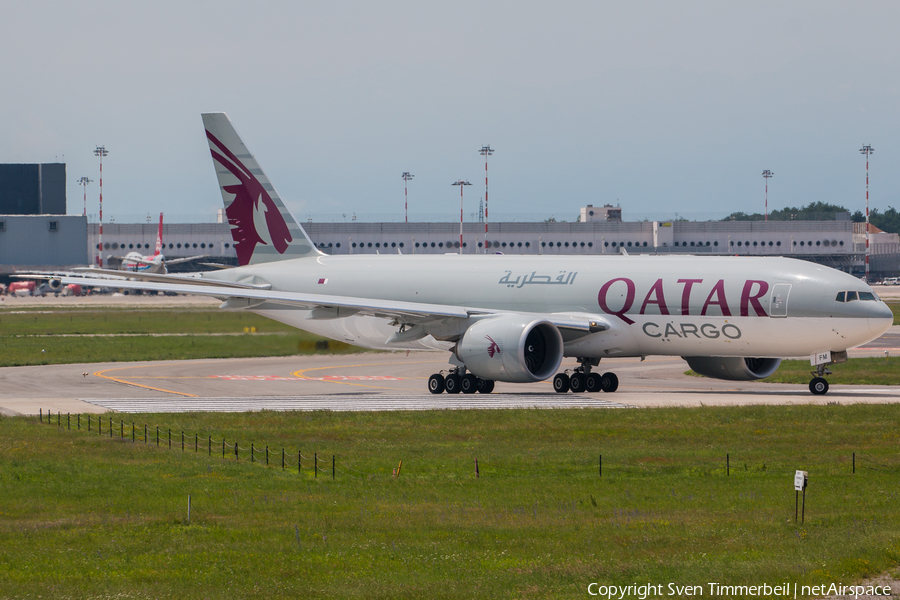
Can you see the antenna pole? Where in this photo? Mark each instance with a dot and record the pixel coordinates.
(461, 183)
(867, 150)
(767, 174)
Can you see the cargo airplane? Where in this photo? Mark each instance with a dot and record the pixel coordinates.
(515, 318)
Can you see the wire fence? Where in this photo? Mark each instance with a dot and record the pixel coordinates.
(299, 462)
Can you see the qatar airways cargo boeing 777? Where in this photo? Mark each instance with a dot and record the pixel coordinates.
(514, 318)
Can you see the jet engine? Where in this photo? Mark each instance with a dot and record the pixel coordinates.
(733, 368)
(511, 348)
(55, 284)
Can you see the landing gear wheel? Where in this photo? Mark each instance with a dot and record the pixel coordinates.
(818, 386)
(468, 384)
(577, 383)
(592, 383)
(609, 382)
(436, 383)
(561, 383)
(452, 383)
(485, 386)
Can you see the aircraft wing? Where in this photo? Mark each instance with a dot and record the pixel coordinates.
(178, 261)
(324, 306)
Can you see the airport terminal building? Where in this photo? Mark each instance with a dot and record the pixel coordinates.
(839, 244)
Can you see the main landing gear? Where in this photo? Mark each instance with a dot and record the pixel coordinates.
(582, 380)
(459, 381)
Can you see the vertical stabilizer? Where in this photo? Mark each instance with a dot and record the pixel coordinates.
(159, 238)
(261, 226)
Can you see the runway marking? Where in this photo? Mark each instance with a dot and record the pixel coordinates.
(283, 378)
(300, 374)
(355, 403)
(149, 387)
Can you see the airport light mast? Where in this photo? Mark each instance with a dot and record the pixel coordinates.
(461, 183)
(84, 181)
(767, 174)
(101, 152)
(485, 152)
(406, 177)
(867, 150)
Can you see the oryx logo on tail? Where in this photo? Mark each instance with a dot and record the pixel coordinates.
(253, 216)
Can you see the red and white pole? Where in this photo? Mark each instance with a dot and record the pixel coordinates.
(486, 151)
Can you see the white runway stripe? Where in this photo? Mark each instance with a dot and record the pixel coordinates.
(354, 402)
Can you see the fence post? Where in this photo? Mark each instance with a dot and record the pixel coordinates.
(89, 422)
(145, 433)
(316, 464)
(132, 432)
(79, 421)
(41, 415)
(110, 427)
(601, 466)
(251, 451)
(236, 458)
(332, 466)
(854, 462)
(122, 429)
(58, 419)
(299, 462)
(223, 447)
(170, 439)
(267, 456)
(727, 465)
(157, 437)
(282, 459)
(210, 445)
(182, 441)
(196, 442)
(477, 474)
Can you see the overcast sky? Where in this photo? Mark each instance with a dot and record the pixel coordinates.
(663, 107)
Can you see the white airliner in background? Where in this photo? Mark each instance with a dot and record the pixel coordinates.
(514, 318)
(156, 262)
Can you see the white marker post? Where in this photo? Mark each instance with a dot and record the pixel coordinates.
(801, 478)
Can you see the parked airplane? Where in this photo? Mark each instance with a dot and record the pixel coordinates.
(514, 318)
(156, 262)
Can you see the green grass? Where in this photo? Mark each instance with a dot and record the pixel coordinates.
(36, 337)
(856, 371)
(83, 515)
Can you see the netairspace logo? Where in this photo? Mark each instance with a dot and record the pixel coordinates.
(715, 589)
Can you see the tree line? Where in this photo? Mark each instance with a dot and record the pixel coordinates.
(888, 220)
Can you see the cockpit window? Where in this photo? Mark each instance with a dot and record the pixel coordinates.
(851, 296)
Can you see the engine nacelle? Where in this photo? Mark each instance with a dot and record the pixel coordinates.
(512, 348)
(55, 284)
(734, 368)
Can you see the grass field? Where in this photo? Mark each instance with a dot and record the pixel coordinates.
(58, 336)
(83, 515)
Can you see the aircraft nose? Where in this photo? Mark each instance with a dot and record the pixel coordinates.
(881, 317)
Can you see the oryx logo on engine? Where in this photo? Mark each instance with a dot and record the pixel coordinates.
(493, 347)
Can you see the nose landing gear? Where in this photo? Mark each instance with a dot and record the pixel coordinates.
(819, 386)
